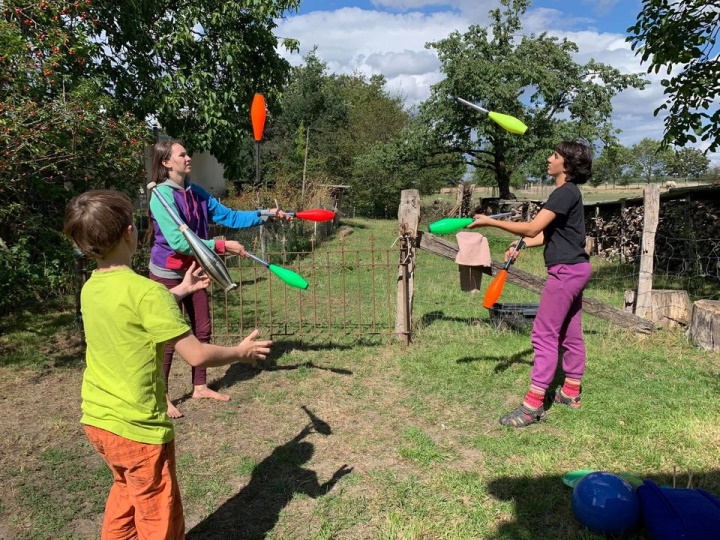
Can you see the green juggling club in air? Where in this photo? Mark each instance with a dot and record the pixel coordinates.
(505, 121)
(288, 276)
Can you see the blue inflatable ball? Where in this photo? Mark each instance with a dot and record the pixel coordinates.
(606, 503)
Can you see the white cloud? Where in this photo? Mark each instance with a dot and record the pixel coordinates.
(394, 64)
(393, 44)
(601, 7)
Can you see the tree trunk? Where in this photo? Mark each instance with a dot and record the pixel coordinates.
(666, 308)
(502, 175)
(704, 331)
(503, 181)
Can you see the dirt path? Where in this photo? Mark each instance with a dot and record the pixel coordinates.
(310, 423)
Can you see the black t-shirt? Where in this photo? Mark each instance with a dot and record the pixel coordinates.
(565, 236)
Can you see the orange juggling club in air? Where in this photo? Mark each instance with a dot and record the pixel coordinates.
(258, 113)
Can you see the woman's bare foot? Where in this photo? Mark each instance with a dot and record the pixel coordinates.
(202, 391)
(173, 411)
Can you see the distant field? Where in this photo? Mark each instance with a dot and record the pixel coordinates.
(590, 194)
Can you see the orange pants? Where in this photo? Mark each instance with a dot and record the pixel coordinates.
(144, 500)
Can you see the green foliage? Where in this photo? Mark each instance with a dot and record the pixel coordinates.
(195, 66)
(348, 129)
(651, 159)
(313, 114)
(59, 140)
(533, 78)
(689, 163)
(669, 34)
(613, 166)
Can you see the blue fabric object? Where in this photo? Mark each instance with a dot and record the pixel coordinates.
(679, 514)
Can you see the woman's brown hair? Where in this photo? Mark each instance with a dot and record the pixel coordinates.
(162, 151)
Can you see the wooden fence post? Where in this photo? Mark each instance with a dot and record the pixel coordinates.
(651, 194)
(408, 220)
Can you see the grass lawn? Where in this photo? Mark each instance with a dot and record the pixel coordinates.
(336, 439)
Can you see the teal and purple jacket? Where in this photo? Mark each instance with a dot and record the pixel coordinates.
(171, 255)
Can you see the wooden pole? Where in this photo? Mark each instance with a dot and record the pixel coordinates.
(408, 220)
(305, 161)
(650, 224)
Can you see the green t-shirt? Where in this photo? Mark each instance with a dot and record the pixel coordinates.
(127, 319)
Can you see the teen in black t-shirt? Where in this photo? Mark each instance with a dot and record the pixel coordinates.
(560, 228)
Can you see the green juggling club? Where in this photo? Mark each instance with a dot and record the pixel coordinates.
(452, 225)
(288, 276)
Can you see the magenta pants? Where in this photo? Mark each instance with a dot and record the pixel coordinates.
(558, 324)
(197, 308)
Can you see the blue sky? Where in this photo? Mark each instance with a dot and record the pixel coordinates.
(388, 37)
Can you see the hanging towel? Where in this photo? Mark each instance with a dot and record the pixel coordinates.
(473, 250)
(473, 258)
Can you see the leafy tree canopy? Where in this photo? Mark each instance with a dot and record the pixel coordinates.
(689, 163)
(670, 33)
(194, 66)
(614, 165)
(652, 159)
(533, 78)
(58, 138)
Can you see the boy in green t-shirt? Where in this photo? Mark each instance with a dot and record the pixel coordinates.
(127, 320)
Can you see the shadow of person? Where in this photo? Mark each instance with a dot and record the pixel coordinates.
(503, 362)
(433, 316)
(238, 372)
(255, 510)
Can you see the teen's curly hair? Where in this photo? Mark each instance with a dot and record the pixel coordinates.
(578, 158)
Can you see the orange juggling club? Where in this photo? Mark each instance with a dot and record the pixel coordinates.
(495, 288)
(258, 113)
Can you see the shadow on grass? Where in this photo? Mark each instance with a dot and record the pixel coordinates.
(433, 316)
(542, 505)
(40, 321)
(242, 372)
(254, 511)
(503, 361)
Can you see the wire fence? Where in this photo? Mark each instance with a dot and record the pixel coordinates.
(351, 292)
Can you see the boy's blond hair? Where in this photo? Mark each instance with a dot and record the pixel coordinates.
(96, 220)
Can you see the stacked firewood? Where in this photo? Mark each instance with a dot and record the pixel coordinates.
(687, 239)
(617, 234)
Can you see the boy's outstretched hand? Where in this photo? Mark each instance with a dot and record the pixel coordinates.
(193, 281)
(252, 350)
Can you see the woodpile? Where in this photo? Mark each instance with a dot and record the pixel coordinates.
(687, 240)
(617, 235)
